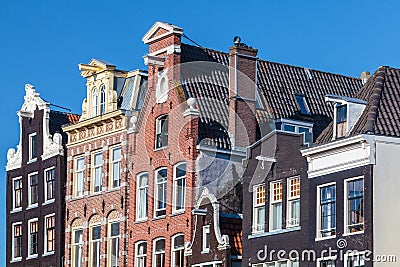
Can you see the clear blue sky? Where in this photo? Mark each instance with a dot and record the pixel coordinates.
(41, 42)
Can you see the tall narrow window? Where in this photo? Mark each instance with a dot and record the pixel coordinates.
(95, 100)
(33, 189)
(32, 146)
(95, 238)
(259, 208)
(142, 196)
(159, 252)
(17, 241)
(293, 200)
(162, 131)
(141, 254)
(33, 237)
(116, 167)
(50, 234)
(161, 192)
(341, 120)
(113, 249)
(79, 176)
(77, 248)
(102, 99)
(179, 187)
(97, 165)
(50, 184)
(355, 260)
(355, 206)
(206, 239)
(327, 203)
(177, 250)
(17, 194)
(276, 206)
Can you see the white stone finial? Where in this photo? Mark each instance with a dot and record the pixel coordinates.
(133, 122)
(191, 102)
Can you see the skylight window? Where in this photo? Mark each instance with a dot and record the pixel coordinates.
(309, 73)
(302, 103)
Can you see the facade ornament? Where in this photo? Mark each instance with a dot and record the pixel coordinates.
(191, 111)
(14, 158)
(54, 146)
(85, 114)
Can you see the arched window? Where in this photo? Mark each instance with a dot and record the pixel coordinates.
(102, 99)
(140, 254)
(95, 99)
(162, 88)
(177, 250)
(179, 188)
(159, 252)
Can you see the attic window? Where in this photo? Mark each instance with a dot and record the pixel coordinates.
(341, 121)
(302, 103)
(162, 88)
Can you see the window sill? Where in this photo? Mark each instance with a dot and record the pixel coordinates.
(160, 148)
(32, 206)
(177, 213)
(76, 198)
(355, 233)
(205, 251)
(93, 194)
(158, 218)
(277, 232)
(32, 257)
(16, 260)
(142, 220)
(16, 210)
(48, 253)
(32, 161)
(47, 202)
(325, 238)
(113, 189)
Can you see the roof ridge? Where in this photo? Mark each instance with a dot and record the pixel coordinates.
(375, 99)
(278, 63)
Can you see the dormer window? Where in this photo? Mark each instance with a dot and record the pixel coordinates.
(162, 131)
(293, 126)
(341, 121)
(302, 103)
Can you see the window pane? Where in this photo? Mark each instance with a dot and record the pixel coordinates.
(178, 242)
(50, 184)
(289, 128)
(160, 245)
(33, 180)
(115, 229)
(355, 205)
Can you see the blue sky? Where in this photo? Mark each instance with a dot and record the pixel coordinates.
(43, 41)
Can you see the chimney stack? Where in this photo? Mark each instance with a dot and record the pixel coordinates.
(242, 94)
(365, 75)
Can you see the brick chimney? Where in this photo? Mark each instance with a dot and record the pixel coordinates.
(365, 75)
(242, 94)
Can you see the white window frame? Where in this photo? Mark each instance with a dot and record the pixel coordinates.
(318, 219)
(49, 200)
(162, 87)
(77, 182)
(30, 204)
(46, 251)
(180, 250)
(139, 189)
(140, 257)
(319, 260)
(80, 246)
(14, 258)
(209, 264)
(110, 241)
(31, 158)
(273, 203)
(156, 185)
(95, 100)
(176, 188)
(93, 169)
(205, 247)
(155, 253)
(30, 256)
(102, 100)
(15, 209)
(256, 228)
(159, 131)
(91, 243)
(112, 167)
(352, 254)
(346, 206)
(290, 199)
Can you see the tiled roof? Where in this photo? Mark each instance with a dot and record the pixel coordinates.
(277, 84)
(381, 115)
(58, 118)
(232, 227)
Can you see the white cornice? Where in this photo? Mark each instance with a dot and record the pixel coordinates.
(169, 28)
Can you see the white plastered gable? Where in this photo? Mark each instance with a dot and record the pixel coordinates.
(159, 31)
(52, 145)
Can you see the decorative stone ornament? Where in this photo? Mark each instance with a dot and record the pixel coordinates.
(191, 111)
